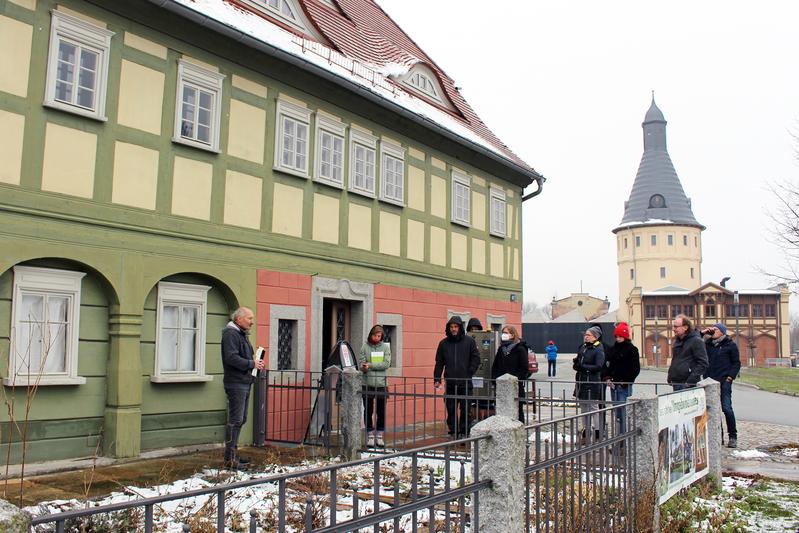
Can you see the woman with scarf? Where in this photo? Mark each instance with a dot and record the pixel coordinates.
(511, 358)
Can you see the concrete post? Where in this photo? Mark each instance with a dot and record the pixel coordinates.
(501, 507)
(714, 428)
(507, 391)
(13, 519)
(646, 460)
(351, 409)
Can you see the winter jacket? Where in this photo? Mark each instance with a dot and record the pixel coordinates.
(457, 355)
(552, 352)
(622, 364)
(588, 364)
(688, 359)
(237, 361)
(376, 375)
(511, 359)
(474, 323)
(724, 360)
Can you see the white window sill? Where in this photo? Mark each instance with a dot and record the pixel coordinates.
(293, 171)
(497, 234)
(195, 144)
(177, 378)
(392, 201)
(329, 183)
(75, 110)
(461, 223)
(42, 381)
(362, 192)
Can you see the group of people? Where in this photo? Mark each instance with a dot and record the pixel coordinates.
(712, 354)
(694, 355)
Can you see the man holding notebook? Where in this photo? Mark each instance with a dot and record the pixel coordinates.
(238, 364)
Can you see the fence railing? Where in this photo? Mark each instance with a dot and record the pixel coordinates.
(580, 472)
(400, 489)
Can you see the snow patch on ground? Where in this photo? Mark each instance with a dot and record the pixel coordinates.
(749, 454)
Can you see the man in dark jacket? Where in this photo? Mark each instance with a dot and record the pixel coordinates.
(458, 358)
(688, 355)
(724, 366)
(237, 364)
(622, 366)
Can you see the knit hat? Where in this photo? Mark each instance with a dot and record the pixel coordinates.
(596, 331)
(551, 342)
(622, 330)
(721, 327)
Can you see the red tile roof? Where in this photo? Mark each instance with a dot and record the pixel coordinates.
(362, 31)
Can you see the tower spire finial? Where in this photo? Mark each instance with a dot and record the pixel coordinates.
(653, 96)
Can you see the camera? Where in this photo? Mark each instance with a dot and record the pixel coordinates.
(708, 331)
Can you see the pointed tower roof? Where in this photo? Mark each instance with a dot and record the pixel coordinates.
(657, 196)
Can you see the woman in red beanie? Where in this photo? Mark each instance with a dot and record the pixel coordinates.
(622, 366)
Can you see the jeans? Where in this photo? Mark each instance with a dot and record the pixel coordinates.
(620, 393)
(726, 408)
(375, 397)
(551, 365)
(237, 399)
(457, 423)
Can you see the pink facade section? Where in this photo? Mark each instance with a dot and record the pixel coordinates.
(424, 315)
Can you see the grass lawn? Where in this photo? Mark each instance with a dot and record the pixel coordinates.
(772, 379)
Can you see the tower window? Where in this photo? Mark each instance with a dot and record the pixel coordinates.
(662, 272)
(625, 243)
(653, 240)
(692, 272)
(657, 201)
(637, 241)
(696, 241)
(632, 273)
(671, 240)
(685, 240)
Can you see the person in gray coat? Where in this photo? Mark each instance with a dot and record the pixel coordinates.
(688, 355)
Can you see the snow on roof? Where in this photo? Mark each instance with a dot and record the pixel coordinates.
(371, 76)
(575, 315)
(609, 317)
(651, 221)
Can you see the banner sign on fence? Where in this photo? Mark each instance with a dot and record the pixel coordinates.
(682, 441)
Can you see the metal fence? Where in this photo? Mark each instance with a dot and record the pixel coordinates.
(580, 472)
(406, 497)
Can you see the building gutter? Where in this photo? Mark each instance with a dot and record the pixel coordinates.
(271, 50)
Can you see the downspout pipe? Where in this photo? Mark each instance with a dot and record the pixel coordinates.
(539, 180)
(251, 42)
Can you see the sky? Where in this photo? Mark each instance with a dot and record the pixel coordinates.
(566, 84)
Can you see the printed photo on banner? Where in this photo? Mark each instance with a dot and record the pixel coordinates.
(682, 441)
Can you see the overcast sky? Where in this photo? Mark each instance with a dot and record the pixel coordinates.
(566, 84)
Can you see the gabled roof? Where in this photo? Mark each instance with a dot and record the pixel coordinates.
(363, 45)
(657, 196)
(575, 315)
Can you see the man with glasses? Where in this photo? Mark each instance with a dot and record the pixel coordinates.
(688, 355)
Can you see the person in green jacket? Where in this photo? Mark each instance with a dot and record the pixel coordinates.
(374, 359)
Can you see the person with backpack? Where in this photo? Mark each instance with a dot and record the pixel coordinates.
(552, 359)
(511, 358)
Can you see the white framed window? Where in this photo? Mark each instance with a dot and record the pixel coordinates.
(180, 333)
(363, 153)
(291, 141)
(461, 199)
(329, 162)
(45, 308)
(198, 106)
(423, 81)
(498, 213)
(77, 66)
(392, 174)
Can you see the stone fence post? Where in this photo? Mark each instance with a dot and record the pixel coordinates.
(13, 519)
(351, 409)
(646, 460)
(714, 429)
(507, 392)
(502, 455)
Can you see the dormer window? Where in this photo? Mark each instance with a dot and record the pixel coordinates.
(288, 12)
(425, 84)
(657, 201)
(421, 80)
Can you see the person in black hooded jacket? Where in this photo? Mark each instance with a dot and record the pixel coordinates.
(457, 357)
